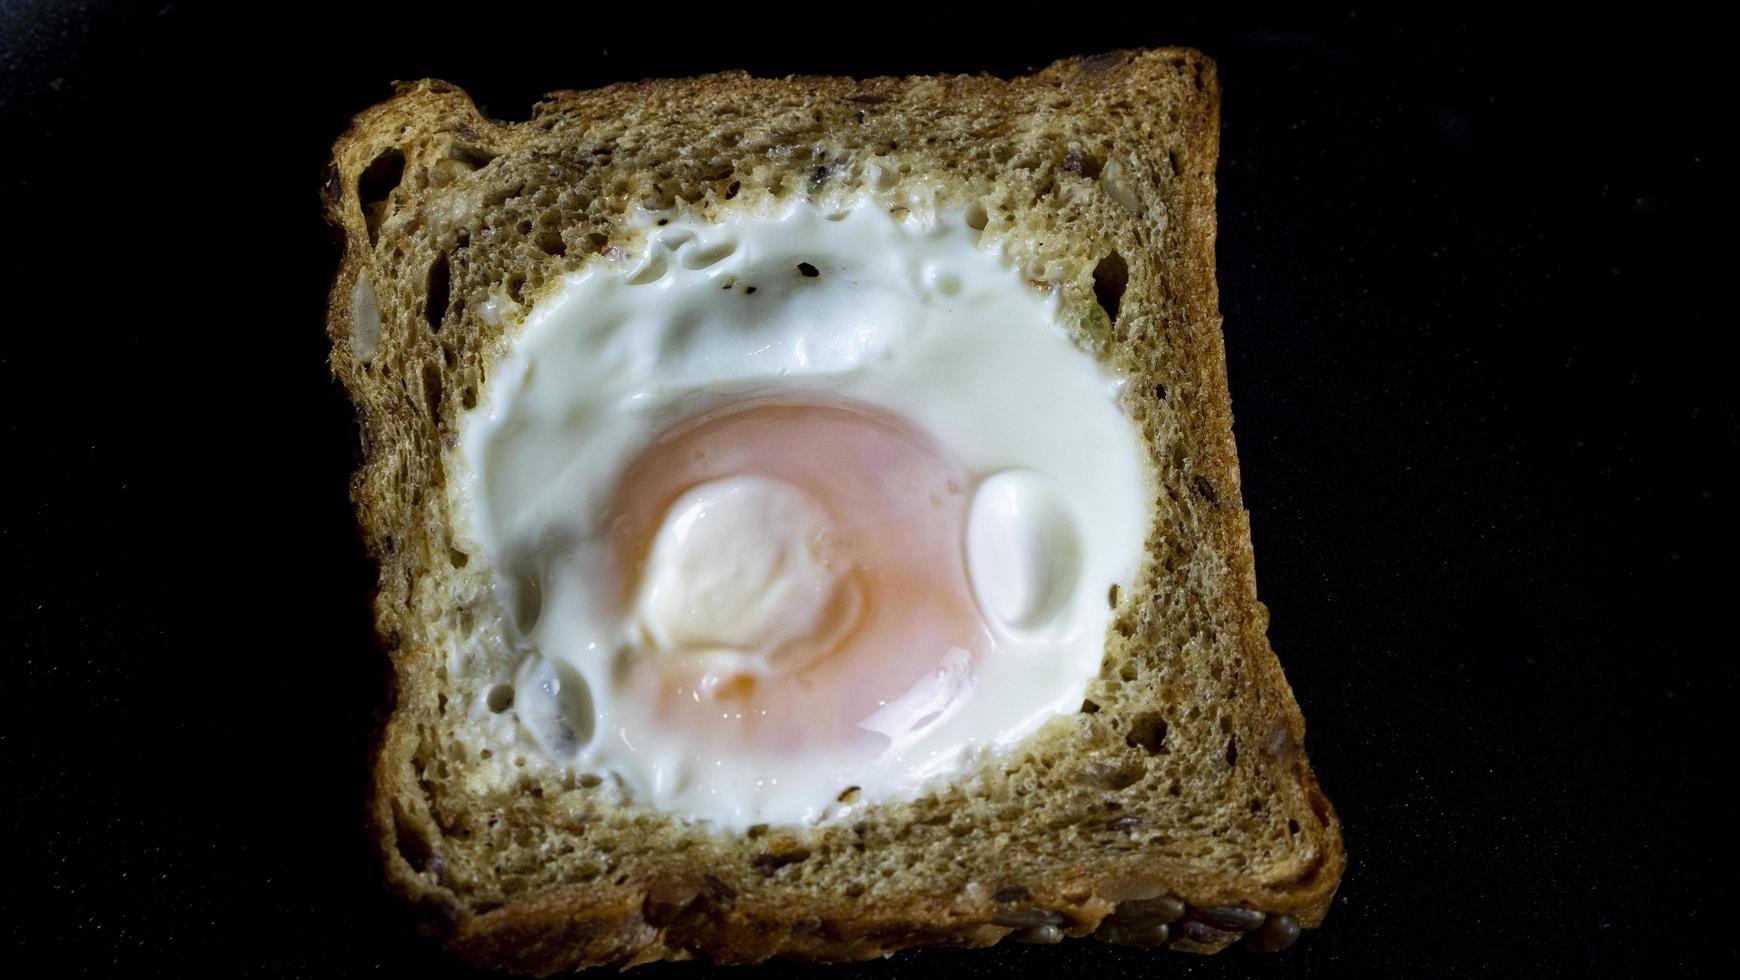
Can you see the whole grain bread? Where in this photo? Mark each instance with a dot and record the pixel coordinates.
(1177, 807)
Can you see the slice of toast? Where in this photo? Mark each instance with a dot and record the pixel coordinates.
(1176, 808)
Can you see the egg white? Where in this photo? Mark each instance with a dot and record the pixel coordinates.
(909, 315)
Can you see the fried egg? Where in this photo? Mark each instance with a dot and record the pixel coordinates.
(797, 511)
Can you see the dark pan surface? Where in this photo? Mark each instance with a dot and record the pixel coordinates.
(1476, 284)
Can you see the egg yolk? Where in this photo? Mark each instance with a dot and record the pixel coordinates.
(793, 568)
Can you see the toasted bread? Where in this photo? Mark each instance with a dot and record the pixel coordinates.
(1176, 808)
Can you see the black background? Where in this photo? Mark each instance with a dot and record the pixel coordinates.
(1477, 284)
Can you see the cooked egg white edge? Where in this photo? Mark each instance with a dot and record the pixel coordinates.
(907, 314)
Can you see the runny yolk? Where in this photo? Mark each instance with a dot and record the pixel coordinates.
(889, 643)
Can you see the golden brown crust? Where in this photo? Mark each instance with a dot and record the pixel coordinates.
(1111, 159)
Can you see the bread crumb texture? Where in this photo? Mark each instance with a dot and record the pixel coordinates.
(1177, 807)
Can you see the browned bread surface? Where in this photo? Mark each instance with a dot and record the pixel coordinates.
(1176, 807)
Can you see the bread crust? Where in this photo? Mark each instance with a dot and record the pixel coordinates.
(423, 362)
